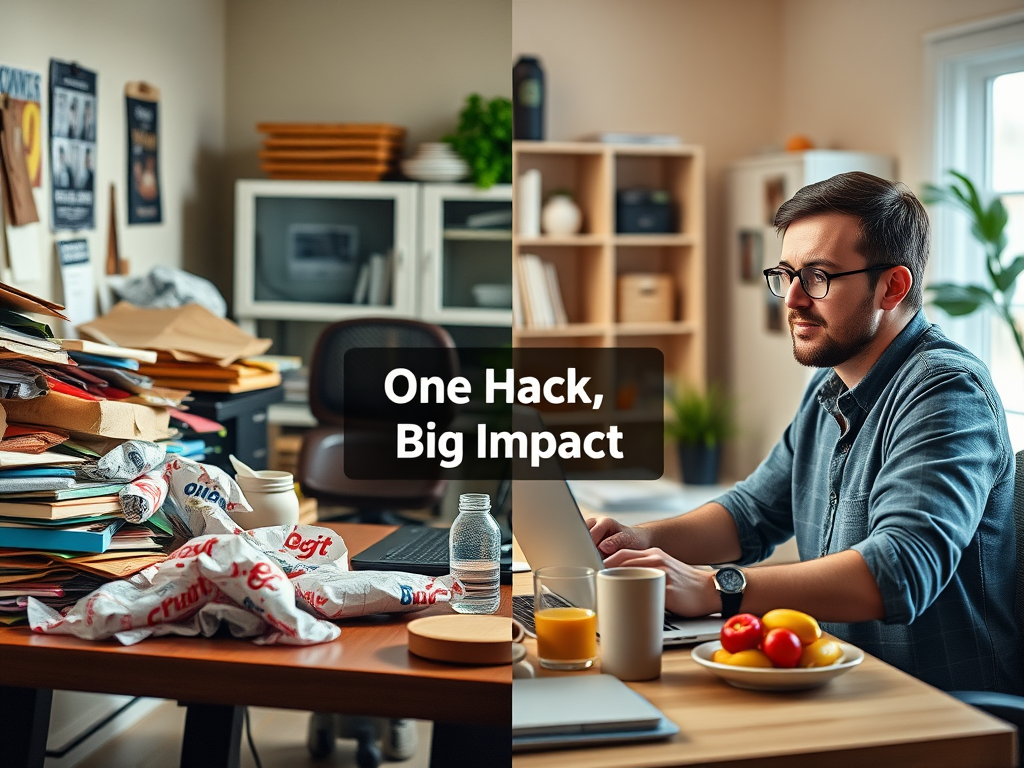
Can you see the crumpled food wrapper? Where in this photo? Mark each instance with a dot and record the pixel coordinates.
(125, 462)
(271, 583)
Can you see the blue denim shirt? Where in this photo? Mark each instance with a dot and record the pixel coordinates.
(921, 484)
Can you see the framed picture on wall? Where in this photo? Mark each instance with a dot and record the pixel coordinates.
(774, 197)
(751, 255)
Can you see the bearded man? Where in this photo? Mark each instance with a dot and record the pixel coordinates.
(895, 475)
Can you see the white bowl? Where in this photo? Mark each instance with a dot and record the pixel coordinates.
(771, 679)
(493, 295)
(446, 169)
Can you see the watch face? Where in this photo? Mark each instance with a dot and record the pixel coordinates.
(730, 580)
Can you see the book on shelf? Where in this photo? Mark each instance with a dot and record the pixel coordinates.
(362, 284)
(80, 490)
(540, 292)
(517, 301)
(377, 294)
(555, 293)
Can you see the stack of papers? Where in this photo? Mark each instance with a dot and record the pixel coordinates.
(61, 401)
(195, 349)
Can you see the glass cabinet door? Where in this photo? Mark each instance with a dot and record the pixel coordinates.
(467, 255)
(323, 250)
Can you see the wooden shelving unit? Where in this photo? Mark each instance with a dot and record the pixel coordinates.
(589, 263)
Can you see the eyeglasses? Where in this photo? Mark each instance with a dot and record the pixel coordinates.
(814, 281)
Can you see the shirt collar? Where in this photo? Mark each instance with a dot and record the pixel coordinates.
(834, 394)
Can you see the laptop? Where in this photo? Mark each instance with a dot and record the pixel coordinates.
(422, 549)
(551, 531)
(582, 711)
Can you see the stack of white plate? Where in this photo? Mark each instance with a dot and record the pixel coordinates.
(435, 161)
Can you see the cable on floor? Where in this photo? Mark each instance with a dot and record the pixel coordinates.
(248, 737)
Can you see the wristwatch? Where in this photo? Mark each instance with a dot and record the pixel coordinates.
(730, 582)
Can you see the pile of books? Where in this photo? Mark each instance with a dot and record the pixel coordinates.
(536, 294)
(61, 537)
(342, 151)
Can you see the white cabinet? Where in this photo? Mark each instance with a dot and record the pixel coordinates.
(324, 251)
(766, 381)
(320, 251)
(466, 255)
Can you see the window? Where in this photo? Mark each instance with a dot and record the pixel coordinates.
(979, 130)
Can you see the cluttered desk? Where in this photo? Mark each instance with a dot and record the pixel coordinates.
(218, 598)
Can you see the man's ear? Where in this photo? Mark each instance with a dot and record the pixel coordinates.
(895, 284)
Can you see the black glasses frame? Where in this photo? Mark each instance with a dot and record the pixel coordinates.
(780, 270)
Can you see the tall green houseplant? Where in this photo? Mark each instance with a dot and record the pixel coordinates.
(483, 139)
(988, 225)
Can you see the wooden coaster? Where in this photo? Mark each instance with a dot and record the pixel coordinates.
(465, 639)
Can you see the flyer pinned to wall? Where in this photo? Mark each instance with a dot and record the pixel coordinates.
(24, 88)
(72, 145)
(77, 281)
(142, 101)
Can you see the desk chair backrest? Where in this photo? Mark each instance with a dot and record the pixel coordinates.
(327, 370)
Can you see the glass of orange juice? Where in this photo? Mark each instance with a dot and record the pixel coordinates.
(564, 609)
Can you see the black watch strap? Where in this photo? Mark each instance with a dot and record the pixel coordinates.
(731, 603)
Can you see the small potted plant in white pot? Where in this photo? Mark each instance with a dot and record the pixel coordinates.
(699, 423)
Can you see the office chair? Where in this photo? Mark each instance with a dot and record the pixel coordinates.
(321, 475)
(1003, 705)
(322, 457)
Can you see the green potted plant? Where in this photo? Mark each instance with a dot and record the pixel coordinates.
(699, 423)
(483, 139)
(988, 225)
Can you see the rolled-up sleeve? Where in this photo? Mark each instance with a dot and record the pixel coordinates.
(762, 505)
(942, 454)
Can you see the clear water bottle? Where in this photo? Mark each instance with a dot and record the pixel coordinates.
(474, 553)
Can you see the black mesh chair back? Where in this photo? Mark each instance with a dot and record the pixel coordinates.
(327, 371)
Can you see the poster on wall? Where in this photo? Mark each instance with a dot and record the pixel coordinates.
(23, 89)
(76, 278)
(142, 102)
(72, 145)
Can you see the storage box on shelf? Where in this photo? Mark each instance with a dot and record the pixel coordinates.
(589, 264)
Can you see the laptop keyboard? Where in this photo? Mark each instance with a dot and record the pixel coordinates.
(430, 546)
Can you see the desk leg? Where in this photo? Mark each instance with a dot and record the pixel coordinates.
(24, 723)
(464, 746)
(213, 736)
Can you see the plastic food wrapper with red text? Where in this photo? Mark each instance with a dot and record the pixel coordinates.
(212, 579)
(270, 583)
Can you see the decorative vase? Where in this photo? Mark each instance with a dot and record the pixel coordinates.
(699, 464)
(561, 216)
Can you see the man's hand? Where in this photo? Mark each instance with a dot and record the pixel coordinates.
(689, 591)
(610, 535)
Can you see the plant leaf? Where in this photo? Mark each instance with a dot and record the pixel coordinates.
(1006, 278)
(958, 300)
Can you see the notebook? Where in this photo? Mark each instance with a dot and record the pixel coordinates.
(581, 711)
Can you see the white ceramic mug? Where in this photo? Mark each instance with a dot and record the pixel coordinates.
(630, 621)
(272, 498)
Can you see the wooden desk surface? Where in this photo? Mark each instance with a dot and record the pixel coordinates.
(367, 671)
(874, 714)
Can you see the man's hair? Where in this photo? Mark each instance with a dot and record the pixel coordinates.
(894, 226)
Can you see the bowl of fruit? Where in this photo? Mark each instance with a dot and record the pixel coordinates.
(781, 651)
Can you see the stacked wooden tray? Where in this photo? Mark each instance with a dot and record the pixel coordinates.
(338, 152)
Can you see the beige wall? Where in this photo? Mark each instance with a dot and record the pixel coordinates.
(408, 62)
(707, 71)
(179, 47)
(854, 73)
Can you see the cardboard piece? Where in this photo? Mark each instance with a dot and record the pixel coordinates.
(22, 301)
(102, 418)
(190, 333)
